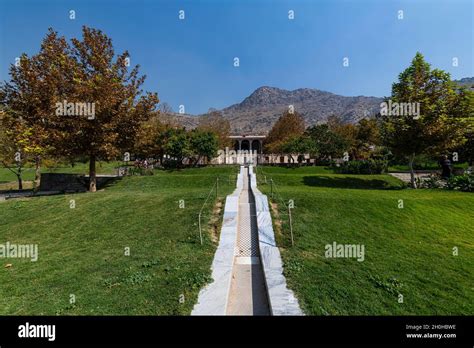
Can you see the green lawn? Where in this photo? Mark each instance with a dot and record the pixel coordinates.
(81, 250)
(7, 176)
(408, 251)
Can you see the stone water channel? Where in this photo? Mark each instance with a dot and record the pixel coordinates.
(248, 295)
(247, 269)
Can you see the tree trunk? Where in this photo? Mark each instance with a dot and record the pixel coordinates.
(20, 181)
(92, 174)
(18, 175)
(412, 171)
(197, 161)
(37, 173)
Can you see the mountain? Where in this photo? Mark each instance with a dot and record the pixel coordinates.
(466, 82)
(258, 112)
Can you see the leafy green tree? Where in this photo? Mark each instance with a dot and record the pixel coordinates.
(204, 144)
(298, 146)
(177, 144)
(326, 143)
(464, 110)
(435, 129)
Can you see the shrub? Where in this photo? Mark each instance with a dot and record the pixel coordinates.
(140, 171)
(431, 182)
(370, 166)
(461, 182)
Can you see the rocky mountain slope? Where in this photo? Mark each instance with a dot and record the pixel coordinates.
(257, 113)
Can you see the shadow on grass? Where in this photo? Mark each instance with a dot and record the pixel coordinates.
(110, 181)
(349, 183)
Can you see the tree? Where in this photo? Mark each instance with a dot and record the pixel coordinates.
(204, 144)
(345, 131)
(165, 109)
(297, 145)
(27, 103)
(367, 137)
(177, 144)
(464, 110)
(78, 99)
(148, 142)
(289, 125)
(11, 155)
(435, 128)
(215, 122)
(326, 143)
(95, 76)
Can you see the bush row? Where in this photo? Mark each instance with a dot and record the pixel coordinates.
(371, 166)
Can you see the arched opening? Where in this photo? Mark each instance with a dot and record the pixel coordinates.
(245, 145)
(256, 146)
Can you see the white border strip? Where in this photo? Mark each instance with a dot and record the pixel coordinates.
(282, 300)
(213, 298)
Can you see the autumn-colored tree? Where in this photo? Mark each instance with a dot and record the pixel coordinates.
(27, 103)
(215, 122)
(433, 130)
(11, 156)
(346, 131)
(289, 125)
(95, 77)
(80, 98)
(367, 138)
(168, 116)
(147, 143)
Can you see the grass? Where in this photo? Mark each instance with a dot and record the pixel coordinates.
(425, 166)
(8, 180)
(408, 251)
(82, 250)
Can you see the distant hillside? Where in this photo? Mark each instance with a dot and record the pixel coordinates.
(258, 112)
(466, 82)
(184, 120)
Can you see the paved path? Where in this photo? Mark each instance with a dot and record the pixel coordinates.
(403, 176)
(248, 295)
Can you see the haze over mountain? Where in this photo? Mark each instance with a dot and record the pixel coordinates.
(257, 113)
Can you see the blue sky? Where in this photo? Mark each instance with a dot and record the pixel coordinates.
(190, 61)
